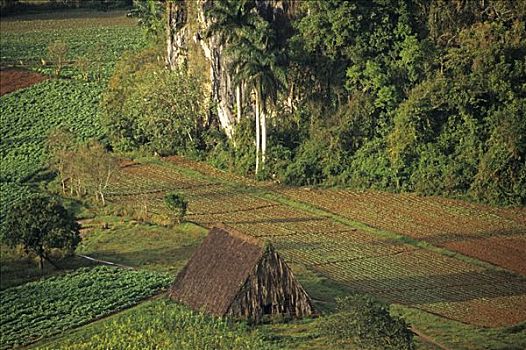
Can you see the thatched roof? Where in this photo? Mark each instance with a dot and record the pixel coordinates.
(217, 270)
(237, 275)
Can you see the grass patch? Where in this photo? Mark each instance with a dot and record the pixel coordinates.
(141, 245)
(161, 324)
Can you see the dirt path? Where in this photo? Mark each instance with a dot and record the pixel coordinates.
(428, 339)
(104, 262)
(12, 80)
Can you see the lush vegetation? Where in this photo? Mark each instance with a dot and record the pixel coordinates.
(71, 103)
(362, 321)
(41, 224)
(163, 325)
(53, 305)
(422, 95)
(177, 205)
(419, 95)
(148, 107)
(35, 111)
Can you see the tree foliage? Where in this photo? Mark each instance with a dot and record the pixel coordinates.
(149, 107)
(420, 95)
(366, 323)
(41, 224)
(150, 17)
(177, 204)
(83, 169)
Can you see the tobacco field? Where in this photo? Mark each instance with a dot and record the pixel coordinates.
(362, 257)
(162, 324)
(53, 305)
(70, 102)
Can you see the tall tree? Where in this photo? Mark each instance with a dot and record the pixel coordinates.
(230, 19)
(256, 63)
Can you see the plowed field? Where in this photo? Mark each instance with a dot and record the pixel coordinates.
(494, 235)
(363, 260)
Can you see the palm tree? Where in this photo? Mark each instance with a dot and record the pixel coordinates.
(256, 64)
(230, 19)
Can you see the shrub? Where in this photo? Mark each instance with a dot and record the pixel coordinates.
(365, 322)
(57, 52)
(176, 203)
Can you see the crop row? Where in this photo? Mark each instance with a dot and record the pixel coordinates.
(40, 309)
(27, 118)
(366, 262)
(467, 228)
(28, 115)
(409, 214)
(105, 43)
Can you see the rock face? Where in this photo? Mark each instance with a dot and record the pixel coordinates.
(186, 41)
(187, 24)
(176, 34)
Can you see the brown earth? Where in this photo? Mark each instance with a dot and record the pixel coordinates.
(12, 80)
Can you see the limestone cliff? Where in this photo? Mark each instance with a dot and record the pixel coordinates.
(188, 45)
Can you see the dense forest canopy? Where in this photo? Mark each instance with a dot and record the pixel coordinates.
(421, 95)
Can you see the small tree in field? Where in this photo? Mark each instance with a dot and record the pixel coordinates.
(57, 52)
(177, 204)
(41, 224)
(61, 147)
(95, 169)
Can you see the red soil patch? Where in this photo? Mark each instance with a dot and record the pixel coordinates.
(12, 80)
(500, 250)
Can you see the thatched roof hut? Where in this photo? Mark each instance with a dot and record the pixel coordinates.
(232, 274)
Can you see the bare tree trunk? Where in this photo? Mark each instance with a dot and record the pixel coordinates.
(290, 98)
(45, 256)
(239, 103)
(263, 137)
(258, 107)
(102, 198)
(170, 50)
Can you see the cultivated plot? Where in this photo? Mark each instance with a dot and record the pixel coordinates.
(495, 235)
(389, 269)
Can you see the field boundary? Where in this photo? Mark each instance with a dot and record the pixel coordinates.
(428, 339)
